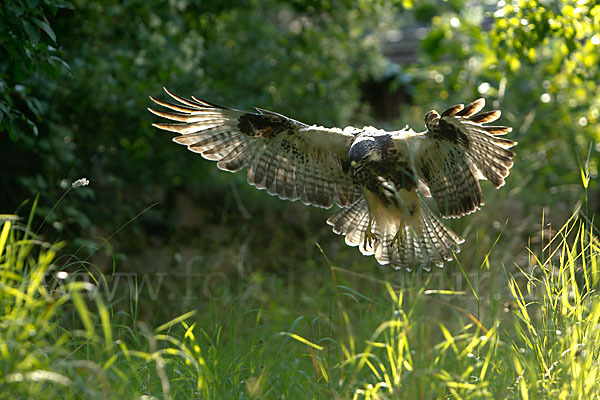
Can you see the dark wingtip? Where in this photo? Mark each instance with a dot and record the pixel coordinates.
(452, 110)
(472, 108)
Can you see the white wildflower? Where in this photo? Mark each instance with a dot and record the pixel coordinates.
(62, 274)
(80, 182)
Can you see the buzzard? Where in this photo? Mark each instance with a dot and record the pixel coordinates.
(378, 178)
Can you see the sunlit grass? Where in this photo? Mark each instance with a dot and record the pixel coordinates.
(548, 349)
(59, 342)
(535, 337)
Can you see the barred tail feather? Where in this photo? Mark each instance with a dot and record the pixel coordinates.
(400, 240)
(352, 222)
(420, 241)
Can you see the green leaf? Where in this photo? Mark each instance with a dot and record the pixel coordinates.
(65, 4)
(16, 9)
(46, 28)
(59, 61)
(432, 44)
(32, 32)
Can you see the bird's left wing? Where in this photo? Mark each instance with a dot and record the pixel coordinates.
(287, 158)
(458, 150)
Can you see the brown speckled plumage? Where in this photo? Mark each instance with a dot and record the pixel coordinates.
(378, 178)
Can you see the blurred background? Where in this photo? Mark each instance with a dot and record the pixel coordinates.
(74, 84)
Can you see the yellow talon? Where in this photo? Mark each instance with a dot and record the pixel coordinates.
(369, 236)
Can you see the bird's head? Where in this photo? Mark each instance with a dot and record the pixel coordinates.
(363, 151)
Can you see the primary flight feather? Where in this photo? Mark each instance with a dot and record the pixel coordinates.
(377, 177)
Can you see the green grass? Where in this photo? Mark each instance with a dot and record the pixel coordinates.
(519, 331)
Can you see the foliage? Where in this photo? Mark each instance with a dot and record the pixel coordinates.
(301, 59)
(268, 318)
(548, 349)
(60, 338)
(538, 62)
(306, 59)
(29, 42)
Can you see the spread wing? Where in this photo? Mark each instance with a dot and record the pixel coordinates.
(287, 158)
(458, 150)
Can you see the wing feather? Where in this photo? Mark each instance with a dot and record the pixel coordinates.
(287, 158)
(234, 161)
(486, 117)
(472, 108)
(456, 151)
(172, 106)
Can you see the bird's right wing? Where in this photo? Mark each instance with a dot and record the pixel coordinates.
(458, 150)
(287, 158)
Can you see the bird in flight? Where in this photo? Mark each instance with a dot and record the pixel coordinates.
(378, 178)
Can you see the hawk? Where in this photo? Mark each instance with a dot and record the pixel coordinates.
(378, 178)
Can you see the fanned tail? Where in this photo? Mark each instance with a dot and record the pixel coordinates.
(421, 240)
(400, 239)
(352, 222)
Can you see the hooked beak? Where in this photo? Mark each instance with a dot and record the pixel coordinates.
(356, 167)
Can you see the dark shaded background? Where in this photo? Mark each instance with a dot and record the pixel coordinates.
(74, 84)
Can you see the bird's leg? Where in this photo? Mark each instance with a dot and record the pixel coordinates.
(397, 240)
(369, 235)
